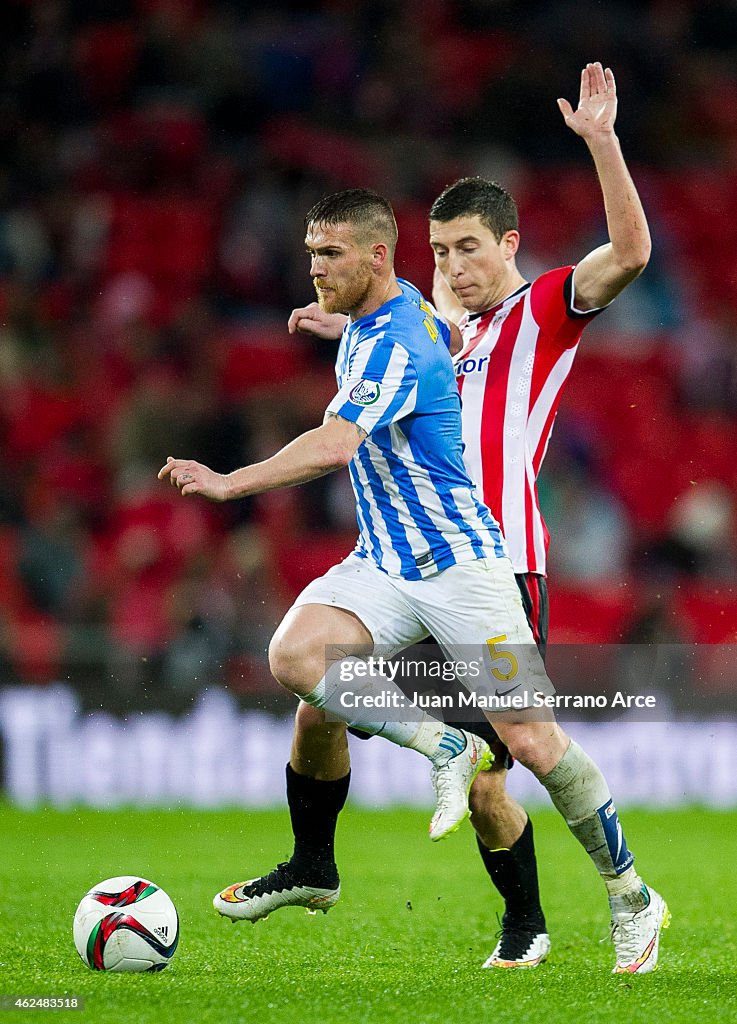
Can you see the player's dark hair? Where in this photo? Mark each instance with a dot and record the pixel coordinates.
(470, 197)
(365, 210)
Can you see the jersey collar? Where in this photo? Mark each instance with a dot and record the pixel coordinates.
(379, 311)
(493, 309)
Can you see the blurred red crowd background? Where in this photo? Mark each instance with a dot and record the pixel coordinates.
(158, 158)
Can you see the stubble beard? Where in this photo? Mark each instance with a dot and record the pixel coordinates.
(327, 300)
(346, 299)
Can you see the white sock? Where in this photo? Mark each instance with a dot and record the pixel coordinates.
(579, 791)
(434, 739)
(420, 732)
(627, 892)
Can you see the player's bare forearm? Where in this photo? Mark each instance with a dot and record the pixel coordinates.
(602, 275)
(628, 229)
(311, 455)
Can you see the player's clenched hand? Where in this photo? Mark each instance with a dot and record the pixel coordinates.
(312, 320)
(194, 478)
(597, 103)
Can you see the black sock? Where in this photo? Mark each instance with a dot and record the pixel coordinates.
(314, 807)
(514, 873)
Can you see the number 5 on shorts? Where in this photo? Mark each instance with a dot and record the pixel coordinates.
(499, 654)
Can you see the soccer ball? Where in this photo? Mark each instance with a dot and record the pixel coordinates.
(126, 924)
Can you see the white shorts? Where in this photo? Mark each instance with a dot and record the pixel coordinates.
(465, 607)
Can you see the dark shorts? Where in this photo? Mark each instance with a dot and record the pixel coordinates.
(533, 590)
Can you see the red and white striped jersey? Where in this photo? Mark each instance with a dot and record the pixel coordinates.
(511, 370)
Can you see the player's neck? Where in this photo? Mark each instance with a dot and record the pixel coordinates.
(508, 287)
(381, 291)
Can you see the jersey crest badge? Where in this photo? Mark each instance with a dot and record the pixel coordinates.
(366, 392)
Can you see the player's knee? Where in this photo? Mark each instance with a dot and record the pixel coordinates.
(537, 745)
(296, 660)
(522, 745)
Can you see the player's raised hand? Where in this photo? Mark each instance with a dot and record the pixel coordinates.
(194, 478)
(597, 103)
(312, 320)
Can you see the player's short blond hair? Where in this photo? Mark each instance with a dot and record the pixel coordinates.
(368, 212)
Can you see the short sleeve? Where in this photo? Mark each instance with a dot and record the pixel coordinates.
(551, 302)
(384, 392)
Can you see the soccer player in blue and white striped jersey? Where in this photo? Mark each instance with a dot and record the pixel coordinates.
(417, 510)
(430, 556)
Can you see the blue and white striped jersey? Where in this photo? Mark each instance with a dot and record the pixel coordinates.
(414, 294)
(417, 510)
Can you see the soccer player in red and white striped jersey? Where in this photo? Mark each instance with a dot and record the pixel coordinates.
(511, 371)
(519, 340)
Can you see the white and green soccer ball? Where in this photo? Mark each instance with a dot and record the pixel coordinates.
(126, 924)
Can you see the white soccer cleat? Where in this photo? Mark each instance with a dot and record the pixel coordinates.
(636, 936)
(452, 780)
(257, 898)
(519, 947)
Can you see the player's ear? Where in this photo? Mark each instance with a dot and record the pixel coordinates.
(509, 244)
(379, 253)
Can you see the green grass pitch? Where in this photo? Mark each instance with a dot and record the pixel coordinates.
(404, 943)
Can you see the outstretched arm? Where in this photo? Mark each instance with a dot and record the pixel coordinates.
(603, 274)
(309, 456)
